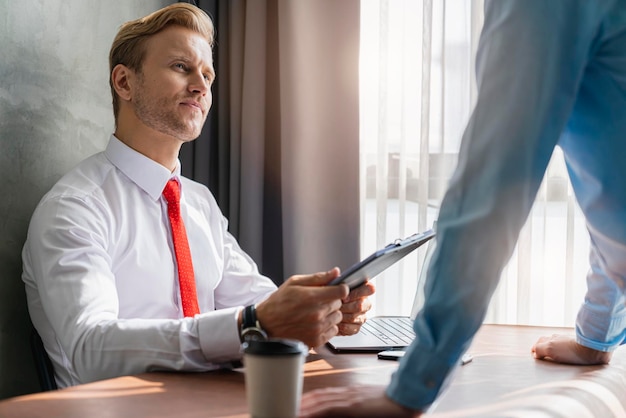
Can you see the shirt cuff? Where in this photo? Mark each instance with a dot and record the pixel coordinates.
(421, 376)
(219, 335)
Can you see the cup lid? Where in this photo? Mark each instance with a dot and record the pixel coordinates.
(274, 347)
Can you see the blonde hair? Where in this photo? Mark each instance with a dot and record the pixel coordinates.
(128, 46)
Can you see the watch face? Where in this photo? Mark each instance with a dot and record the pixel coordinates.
(253, 334)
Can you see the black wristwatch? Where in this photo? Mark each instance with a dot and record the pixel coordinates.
(250, 328)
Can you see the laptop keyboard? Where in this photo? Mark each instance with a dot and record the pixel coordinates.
(391, 330)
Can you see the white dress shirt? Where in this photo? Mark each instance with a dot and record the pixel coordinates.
(101, 280)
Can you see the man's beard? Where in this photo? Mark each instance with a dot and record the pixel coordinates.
(156, 114)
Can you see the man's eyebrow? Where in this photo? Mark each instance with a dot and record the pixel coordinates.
(178, 58)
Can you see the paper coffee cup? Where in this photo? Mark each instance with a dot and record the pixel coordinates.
(274, 374)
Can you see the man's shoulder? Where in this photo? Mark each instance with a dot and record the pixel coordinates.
(82, 181)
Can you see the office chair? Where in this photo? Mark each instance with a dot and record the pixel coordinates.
(43, 365)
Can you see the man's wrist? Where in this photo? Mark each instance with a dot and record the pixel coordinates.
(251, 329)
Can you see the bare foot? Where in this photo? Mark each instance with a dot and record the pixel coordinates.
(564, 349)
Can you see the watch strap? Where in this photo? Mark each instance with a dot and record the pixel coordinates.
(249, 317)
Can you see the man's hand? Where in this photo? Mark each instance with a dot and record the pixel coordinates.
(355, 401)
(304, 308)
(355, 307)
(565, 349)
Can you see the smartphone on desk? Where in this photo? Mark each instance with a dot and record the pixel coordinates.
(391, 354)
(398, 354)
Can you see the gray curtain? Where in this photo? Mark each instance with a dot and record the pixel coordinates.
(280, 150)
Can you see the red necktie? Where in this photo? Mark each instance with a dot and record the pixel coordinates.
(181, 248)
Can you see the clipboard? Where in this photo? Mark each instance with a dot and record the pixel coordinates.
(379, 261)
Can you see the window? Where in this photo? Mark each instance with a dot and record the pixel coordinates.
(417, 92)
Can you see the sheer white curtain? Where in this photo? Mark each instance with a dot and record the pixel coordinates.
(417, 89)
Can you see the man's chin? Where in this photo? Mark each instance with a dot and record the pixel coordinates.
(186, 138)
(193, 131)
(190, 134)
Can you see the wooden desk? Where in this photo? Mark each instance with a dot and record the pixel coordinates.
(501, 371)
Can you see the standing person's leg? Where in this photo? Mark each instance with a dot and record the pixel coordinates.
(601, 321)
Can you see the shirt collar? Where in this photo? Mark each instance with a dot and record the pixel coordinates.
(141, 170)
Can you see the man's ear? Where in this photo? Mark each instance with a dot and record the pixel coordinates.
(123, 79)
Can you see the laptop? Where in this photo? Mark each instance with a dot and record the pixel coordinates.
(381, 333)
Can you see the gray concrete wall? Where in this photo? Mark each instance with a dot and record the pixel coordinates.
(55, 110)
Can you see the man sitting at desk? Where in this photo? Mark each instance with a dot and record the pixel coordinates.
(129, 266)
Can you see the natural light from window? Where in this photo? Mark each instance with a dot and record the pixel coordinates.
(417, 90)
